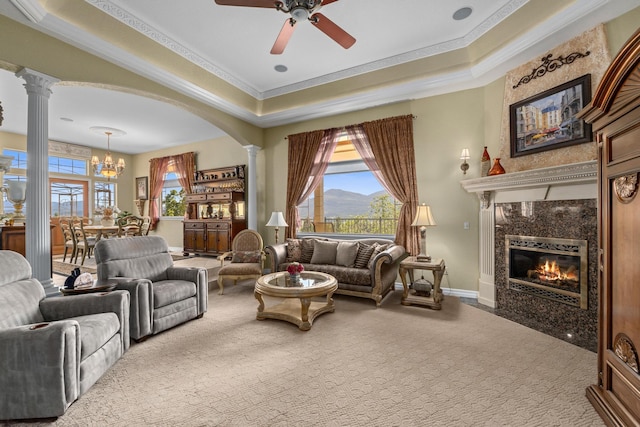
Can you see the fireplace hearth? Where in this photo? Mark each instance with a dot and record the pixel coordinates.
(552, 268)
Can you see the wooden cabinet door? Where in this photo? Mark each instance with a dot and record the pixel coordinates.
(620, 276)
(223, 240)
(217, 237)
(193, 237)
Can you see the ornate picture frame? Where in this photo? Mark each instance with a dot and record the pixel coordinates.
(547, 120)
(142, 188)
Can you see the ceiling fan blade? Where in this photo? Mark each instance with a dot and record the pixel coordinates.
(249, 3)
(326, 2)
(283, 37)
(328, 27)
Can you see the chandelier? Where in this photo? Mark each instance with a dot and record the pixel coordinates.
(107, 167)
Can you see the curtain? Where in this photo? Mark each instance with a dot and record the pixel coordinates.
(157, 169)
(185, 166)
(387, 149)
(309, 155)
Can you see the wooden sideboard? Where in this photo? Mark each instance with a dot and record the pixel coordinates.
(216, 210)
(12, 237)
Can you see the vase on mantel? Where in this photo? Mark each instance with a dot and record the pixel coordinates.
(497, 168)
(485, 163)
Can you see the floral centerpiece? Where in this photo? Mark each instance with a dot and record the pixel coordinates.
(107, 215)
(294, 269)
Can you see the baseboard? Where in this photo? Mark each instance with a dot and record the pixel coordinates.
(462, 293)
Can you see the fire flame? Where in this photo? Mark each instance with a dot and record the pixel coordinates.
(551, 271)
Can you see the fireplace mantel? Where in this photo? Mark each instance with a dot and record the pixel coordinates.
(572, 181)
(566, 182)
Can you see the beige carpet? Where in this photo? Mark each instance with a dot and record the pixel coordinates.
(359, 366)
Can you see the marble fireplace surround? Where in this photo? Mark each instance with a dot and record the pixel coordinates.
(575, 181)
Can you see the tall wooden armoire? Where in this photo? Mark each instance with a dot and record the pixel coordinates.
(615, 115)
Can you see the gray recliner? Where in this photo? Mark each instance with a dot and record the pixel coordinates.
(162, 296)
(52, 350)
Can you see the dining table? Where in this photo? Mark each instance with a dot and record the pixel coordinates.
(101, 231)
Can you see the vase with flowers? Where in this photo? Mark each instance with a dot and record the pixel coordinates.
(294, 269)
(107, 219)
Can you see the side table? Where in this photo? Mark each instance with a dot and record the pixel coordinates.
(409, 296)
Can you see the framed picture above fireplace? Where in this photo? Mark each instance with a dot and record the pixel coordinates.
(547, 121)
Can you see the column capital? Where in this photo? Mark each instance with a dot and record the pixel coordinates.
(252, 149)
(37, 83)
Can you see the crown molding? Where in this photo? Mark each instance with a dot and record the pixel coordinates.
(581, 16)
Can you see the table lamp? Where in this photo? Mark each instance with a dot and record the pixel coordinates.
(277, 221)
(423, 219)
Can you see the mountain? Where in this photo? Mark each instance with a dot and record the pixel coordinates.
(341, 203)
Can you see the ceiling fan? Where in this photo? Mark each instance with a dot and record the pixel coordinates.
(299, 10)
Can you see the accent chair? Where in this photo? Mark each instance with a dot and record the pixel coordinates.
(52, 350)
(247, 259)
(162, 296)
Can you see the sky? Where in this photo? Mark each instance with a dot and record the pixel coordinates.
(357, 182)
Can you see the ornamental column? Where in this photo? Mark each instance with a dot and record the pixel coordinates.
(37, 229)
(252, 197)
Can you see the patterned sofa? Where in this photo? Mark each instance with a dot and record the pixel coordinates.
(365, 268)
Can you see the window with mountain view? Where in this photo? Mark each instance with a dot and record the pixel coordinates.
(350, 200)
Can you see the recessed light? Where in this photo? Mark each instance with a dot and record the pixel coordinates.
(280, 68)
(462, 13)
(66, 119)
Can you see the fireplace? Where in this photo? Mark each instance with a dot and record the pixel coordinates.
(551, 268)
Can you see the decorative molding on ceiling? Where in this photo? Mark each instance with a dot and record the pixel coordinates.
(132, 21)
(128, 18)
(567, 24)
(66, 149)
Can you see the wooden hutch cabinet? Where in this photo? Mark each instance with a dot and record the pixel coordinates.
(216, 210)
(614, 114)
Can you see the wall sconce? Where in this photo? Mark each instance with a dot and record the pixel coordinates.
(464, 156)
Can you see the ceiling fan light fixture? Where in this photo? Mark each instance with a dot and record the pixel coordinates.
(299, 13)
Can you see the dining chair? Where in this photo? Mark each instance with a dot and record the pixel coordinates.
(146, 226)
(84, 243)
(129, 226)
(69, 239)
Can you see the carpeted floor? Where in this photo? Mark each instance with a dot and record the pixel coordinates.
(360, 366)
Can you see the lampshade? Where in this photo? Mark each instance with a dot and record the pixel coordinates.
(423, 216)
(277, 220)
(464, 155)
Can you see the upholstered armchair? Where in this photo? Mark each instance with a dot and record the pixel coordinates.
(52, 350)
(162, 296)
(247, 259)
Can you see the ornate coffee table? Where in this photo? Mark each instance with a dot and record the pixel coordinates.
(311, 285)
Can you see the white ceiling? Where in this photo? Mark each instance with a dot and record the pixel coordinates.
(233, 43)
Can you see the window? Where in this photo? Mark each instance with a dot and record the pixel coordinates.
(68, 198)
(67, 165)
(349, 200)
(173, 202)
(19, 158)
(104, 194)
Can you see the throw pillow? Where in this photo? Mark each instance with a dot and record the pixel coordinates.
(376, 250)
(294, 250)
(364, 255)
(307, 250)
(246, 256)
(346, 253)
(324, 252)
